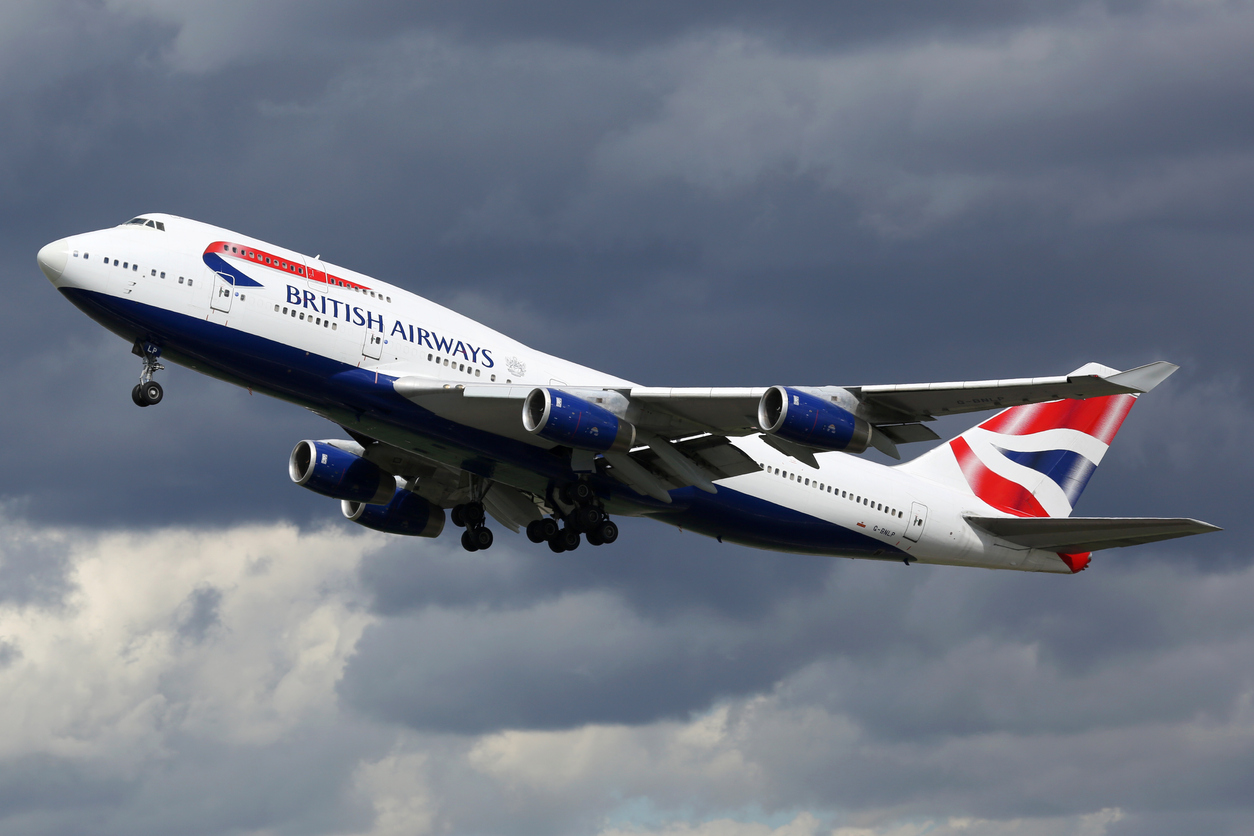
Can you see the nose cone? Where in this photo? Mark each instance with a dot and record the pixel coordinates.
(52, 259)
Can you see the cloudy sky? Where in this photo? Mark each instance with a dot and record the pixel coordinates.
(682, 194)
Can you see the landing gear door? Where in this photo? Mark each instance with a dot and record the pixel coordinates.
(372, 345)
(223, 291)
(918, 519)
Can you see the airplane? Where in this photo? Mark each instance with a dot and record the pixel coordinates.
(445, 413)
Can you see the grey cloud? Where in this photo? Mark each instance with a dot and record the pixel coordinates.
(199, 614)
(696, 194)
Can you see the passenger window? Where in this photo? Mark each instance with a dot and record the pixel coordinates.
(180, 279)
(302, 316)
(115, 262)
(276, 308)
(476, 372)
(134, 268)
(163, 274)
(189, 282)
(494, 378)
(86, 255)
(154, 272)
(334, 325)
(125, 264)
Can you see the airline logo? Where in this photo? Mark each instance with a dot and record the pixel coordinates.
(1035, 460)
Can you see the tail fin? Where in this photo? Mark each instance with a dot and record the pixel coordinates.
(1032, 460)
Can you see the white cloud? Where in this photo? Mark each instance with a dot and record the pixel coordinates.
(184, 658)
(106, 674)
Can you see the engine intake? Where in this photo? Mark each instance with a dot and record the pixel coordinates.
(407, 513)
(561, 417)
(330, 471)
(811, 420)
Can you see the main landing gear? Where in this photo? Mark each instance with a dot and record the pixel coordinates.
(587, 518)
(470, 516)
(147, 392)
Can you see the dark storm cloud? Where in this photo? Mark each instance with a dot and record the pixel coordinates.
(685, 194)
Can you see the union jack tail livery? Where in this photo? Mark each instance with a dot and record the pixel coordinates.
(1032, 460)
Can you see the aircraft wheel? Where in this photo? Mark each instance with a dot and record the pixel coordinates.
(548, 526)
(137, 395)
(606, 531)
(569, 539)
(594, 538)
(555, 545)
(456, 516)
(585, 518)
(472, 513)
(535, 531)
(482, 537)
(151, 393)
(468, 541)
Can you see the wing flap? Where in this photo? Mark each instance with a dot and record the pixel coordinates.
(1073, 535)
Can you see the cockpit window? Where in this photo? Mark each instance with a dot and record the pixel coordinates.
(158, 225)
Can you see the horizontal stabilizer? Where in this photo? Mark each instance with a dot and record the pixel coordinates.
(1073, 535)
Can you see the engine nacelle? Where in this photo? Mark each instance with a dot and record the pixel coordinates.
(811, 420)
(561, 417)
(330, 471)
(407, 513)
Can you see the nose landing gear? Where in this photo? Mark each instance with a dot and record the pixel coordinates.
(147, 392)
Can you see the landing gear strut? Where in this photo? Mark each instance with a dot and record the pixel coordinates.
(587, 518)
(147, 392)
(477, 536)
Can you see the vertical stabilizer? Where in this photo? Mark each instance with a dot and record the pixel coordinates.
(1032, 460)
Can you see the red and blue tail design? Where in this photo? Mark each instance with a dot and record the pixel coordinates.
(1032, 460)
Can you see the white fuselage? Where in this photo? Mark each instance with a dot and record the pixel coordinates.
(286, 323)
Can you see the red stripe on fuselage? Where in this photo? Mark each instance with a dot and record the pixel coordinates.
(993, 488)
(1098, 417)
(266, 259)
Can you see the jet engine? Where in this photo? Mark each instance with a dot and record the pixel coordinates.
(406, 513)
(561, 417)
(811, 420)
(330, 471)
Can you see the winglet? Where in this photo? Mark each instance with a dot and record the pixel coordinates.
(1144, 378)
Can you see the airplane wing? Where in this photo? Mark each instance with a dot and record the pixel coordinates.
(895, 406)
(663, 420)
(1073, 535)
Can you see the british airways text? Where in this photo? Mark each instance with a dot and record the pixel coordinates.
(355, 315)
